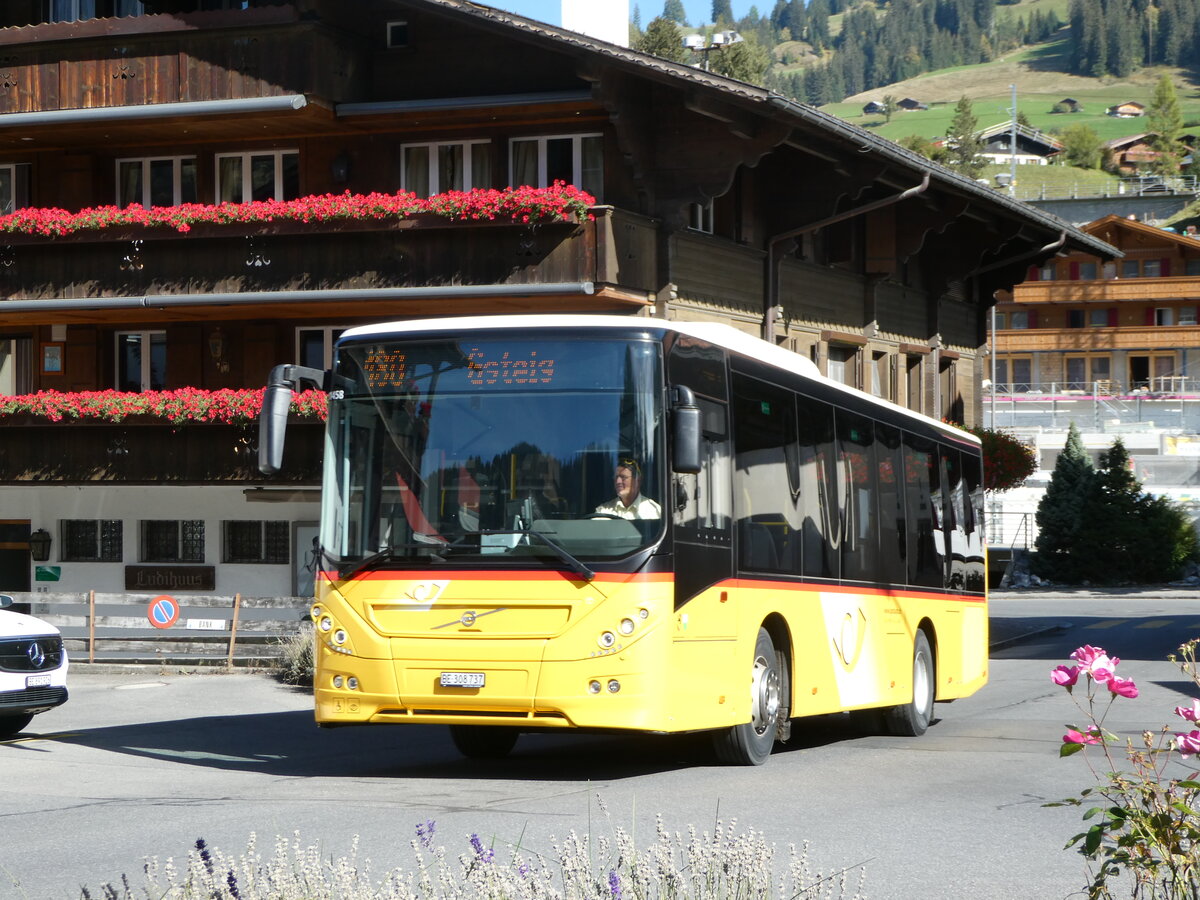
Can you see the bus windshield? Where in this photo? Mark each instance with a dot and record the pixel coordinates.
(493, 450)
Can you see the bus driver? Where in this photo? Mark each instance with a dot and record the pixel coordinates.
(629, 502)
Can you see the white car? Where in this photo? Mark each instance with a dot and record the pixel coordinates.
(33, 668)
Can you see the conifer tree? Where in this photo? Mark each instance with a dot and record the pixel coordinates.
(674, 11)
(963, 142)
(1166, 122)
(722, 12)
(662, 38)
(1060, 511)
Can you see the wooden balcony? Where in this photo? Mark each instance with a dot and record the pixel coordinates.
(300, 271)
(1097, 339)
(1116, 290)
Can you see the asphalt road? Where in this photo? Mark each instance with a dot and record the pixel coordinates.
(143, 764)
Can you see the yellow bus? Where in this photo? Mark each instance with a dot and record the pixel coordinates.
(611, 523)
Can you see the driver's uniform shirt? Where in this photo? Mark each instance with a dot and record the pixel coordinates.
(641, 508)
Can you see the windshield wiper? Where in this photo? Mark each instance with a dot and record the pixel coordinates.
(388, 554)
(558, 549)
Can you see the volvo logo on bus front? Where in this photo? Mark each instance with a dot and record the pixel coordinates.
(37, 656)
(468, 618)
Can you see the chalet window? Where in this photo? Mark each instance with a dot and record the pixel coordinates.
(1151, 268)
(700, 217)
(1022, 374)
(168, 541)
(77, 10)
(1187, 315)
(1046, 273)
(1074, 318)
(141, 360)
(16, 366)
(14, 187)
(1191, 267)
(261, 175)
(576, 159)
(428, 169)
(1097, 318)
(881, 375)
(255, 542)
(1130, 268)
(156, 181)
(90, 540)
(1001, 321)
(397, 34)
(842, 359)
(314, 346)
(1087, 271)
(1164, 315)
(1018, 319)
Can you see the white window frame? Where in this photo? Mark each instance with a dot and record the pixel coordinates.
(328, 339)
(146, 338)
(700, 217)
(1164, 316)
(18, 178)
(434, 171)
(542, 139)
(176, 176)
(1018, 316)
(245, 156)
(1187, 315)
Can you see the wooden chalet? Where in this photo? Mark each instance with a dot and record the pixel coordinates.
(1127, 110)
(715, 200)
(1081, 323)
(1033, 147)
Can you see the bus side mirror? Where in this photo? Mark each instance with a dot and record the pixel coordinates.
(272, 419)
(685, 416)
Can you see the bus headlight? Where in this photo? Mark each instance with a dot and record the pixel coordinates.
(326, 623)
(613, 685)
(643, 613)
(340, 636)
(337, 681)
(626, 626)
(606, 640)
(352, 683)
(593, 687)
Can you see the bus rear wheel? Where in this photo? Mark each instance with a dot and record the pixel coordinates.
(750, 743)
(912, 719)
(483, 741)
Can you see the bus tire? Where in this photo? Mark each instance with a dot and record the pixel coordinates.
(750, 743)
(483, 741)
(912, 719)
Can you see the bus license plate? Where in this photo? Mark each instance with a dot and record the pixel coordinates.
(462, 679)
(37, 681)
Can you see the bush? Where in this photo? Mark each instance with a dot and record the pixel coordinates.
(296, 660)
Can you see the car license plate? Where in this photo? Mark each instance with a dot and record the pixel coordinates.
(37, 681)
(462, 679)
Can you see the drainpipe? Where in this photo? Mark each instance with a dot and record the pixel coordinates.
(774, 242)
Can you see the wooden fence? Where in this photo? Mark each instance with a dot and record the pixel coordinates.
(178, 629)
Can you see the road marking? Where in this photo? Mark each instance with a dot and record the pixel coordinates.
(1156, 623)
(195, 754)
(1111, 623)
(30, 738)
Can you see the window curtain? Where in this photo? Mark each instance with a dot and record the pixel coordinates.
(229, 179)
(416, 170)
(130, 184)
(525, 164)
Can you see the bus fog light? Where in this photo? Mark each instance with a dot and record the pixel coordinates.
(593, 687)
(626, 626)
(613, 685)
(643, 613)
(339, 636)
(606, 640)
(352, 683)
(337, 681)
(315, 613)
(326, 624)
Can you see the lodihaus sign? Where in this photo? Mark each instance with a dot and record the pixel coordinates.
(170, 578)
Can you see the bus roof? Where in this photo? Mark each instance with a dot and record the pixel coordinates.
(717, 333)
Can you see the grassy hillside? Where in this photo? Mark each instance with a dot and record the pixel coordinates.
(1041, 80)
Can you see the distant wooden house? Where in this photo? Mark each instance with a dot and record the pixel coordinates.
(874, 108)
(1069, 104)
(910, 104)
(1033, 147)
(1133, 153)
(1127, 110)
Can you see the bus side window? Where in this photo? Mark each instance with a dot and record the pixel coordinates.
(860, 494)
(957, 518)
(923, 501)
(820, 534)
(893, 544)
(975, 575)
(764, 430)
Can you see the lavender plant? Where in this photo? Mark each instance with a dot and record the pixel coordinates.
(725, 864)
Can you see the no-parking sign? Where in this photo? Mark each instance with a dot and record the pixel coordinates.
(163, 611)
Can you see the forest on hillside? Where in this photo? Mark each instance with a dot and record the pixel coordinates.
(795, 50)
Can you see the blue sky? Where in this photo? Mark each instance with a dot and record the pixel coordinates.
(698, 11)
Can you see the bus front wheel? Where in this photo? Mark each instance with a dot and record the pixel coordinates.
(912, 719)
(750, 743)
(483, 741)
